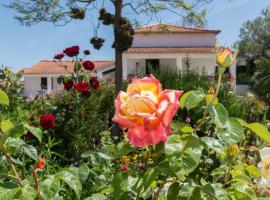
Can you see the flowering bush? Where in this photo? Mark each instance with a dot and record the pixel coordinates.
(155, 157)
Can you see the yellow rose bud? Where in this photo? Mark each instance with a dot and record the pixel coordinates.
(224, 57)
(233, 150)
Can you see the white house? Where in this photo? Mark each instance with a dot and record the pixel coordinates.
(177, 47)
(155, 46)
(44, 74)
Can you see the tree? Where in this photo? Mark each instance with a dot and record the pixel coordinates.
(61, 12)
(261, 77)
(255, 39)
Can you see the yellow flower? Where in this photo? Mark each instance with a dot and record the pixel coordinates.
(233, 150)
(224, 57)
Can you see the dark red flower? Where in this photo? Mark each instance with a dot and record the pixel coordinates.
(125, 168)
(47, 121)
(41, 163)
(94, 83)
(29, 134)
(68, 85)
(59, 56)
(72, 51)
(82, 87)
(86, 52)
(88, 65)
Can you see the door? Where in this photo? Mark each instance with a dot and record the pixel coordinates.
(151, 64)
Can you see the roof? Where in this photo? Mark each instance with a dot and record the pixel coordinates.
(55, 67)
(169, 28)
(171, 50)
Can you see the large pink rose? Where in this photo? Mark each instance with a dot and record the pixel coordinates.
(146, 111)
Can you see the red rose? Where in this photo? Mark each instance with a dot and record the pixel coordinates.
(72, 51)
(86, 52)
(68, 85)
(41, 163)
(125, 168)
(88, 65)
(47, 121)
(82, 87)
(94, 83)
(29, 134)
(59, 56)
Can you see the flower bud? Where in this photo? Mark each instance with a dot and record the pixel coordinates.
(224, 57)
(233, 150)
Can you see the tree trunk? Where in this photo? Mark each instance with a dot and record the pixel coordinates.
(118, 4)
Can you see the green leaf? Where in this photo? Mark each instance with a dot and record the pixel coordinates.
(209, 98)
(37, 132)
(216, 191)
(30, 151)
(232, 132)
(182, 127)
(243, 192)
(194, 99)
(173, 191)
(73, 182)
(4, 98)
(219, 113)
(184, 154)
(253, 170)
(174, 145)
(258, 129)
(6, 125)
(83, 172)
(212, 143)
(7, 193)
(182, 101)
(28, 193)
(96, 197)
(14, 142)
(49, 188)
(119, 184)
(196, 194)
(123, 148)
(17, 131)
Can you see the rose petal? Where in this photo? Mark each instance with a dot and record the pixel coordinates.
(145, 84)
(168, 105)
(140, 136)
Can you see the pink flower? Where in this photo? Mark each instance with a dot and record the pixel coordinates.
(146, 111)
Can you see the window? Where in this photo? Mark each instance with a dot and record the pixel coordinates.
(43, 83)
(151, 64)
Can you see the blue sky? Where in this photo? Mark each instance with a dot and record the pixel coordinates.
(24, 46)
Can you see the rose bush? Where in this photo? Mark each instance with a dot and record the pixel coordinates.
(68, 155)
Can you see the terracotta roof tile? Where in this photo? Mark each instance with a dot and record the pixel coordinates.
(169, 28)
(52, 67)
(171, 50)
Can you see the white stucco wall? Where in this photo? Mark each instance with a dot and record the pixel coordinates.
(200, 65)
(175, 40)
(31, 85)
(198, 61)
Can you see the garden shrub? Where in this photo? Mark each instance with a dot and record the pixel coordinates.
(215, 156)
(78, 123)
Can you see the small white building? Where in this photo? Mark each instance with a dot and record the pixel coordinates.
(43, 75)
(176, 47)
(155, 46)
